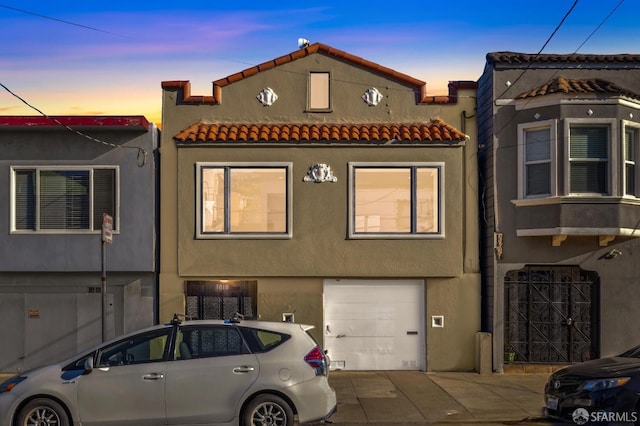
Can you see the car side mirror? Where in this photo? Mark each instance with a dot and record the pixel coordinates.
(88, 365)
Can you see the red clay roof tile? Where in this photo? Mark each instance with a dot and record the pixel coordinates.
(435, 131)
(594, 86)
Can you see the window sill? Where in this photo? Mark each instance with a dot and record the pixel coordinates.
(244, 236)
(576, 199)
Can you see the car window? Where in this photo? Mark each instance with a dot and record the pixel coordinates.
(208, 341)
(264, 340)
(141, 348)
(632, 353)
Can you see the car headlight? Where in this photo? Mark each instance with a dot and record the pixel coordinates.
(10, 383)
(602, 384)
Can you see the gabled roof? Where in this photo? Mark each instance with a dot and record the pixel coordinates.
(515, 58)
(136, 122)
(309, 50)
(435, 131)
(593, 86)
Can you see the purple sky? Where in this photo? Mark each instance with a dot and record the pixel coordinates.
(96, 57)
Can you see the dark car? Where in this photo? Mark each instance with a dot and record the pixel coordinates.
(605, 390)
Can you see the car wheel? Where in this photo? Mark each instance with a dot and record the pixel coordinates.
(43, 412)
(268, 410)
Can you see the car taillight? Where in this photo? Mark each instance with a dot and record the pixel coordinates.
(316, 359)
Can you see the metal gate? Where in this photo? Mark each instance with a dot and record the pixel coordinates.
(221, 299)
(549, 314)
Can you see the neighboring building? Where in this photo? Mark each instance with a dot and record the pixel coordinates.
(58, 175)
(322, 188)
(559, 137)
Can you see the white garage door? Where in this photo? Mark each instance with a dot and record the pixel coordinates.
(374, 324)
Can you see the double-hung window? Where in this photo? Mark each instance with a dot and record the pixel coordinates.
(244, 200)
(396, 200)
(630, 153)
(536, 147)
(63, 199)
(589, 158)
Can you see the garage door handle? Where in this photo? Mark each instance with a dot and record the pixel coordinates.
(153, 376)
(340, 335)
(243, 369)
(412, 332)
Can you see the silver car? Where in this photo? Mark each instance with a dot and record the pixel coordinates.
(181, 373)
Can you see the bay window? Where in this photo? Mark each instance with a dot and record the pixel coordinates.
(589, 159)
(537, 168)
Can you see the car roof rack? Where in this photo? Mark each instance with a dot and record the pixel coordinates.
(235, 318)
(176, 318)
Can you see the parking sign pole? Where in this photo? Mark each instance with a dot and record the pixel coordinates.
(107, 237)
(104, 291)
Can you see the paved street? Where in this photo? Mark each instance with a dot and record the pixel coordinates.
(410, 397)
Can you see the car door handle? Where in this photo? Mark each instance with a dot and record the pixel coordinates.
(243, 369)
(153, 376)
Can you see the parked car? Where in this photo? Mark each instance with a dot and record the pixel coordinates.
(184, 372)
(601, 390)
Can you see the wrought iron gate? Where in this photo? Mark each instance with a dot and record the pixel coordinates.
(549, 314)
(221, 299)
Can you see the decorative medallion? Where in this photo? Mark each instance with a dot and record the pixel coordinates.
(320, 173)
(267, 96)
(372, 96)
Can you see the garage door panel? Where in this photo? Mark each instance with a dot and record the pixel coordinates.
(375, 324)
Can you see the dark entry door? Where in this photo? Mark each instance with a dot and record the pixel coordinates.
(221, 299)
(550, 314)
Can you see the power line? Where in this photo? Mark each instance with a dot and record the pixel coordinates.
(142, 153)
(600, 25)
(566, 15)
(59, 20)
(531, 61)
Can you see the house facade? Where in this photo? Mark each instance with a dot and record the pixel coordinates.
(325, 189)
(559, 139)
(58, 177)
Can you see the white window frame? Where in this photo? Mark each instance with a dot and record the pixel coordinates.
(92, 225)
(613, 162)
(635, 128)
(201, 234)
(439, 234)
(523, 128)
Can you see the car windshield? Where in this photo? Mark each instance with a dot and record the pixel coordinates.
(631, 353)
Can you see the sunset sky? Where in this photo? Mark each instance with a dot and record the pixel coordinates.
(110, 57)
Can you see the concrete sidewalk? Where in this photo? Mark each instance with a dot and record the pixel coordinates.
(412, 397)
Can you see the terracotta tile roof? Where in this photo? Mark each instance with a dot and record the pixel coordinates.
(435, 131)
(514, 58)
(309, 50)
(593, 86)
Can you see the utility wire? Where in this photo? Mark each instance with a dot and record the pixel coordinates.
(566, 15)
(59, 20)
(142, 153)
(606, 18)
(601, 24)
